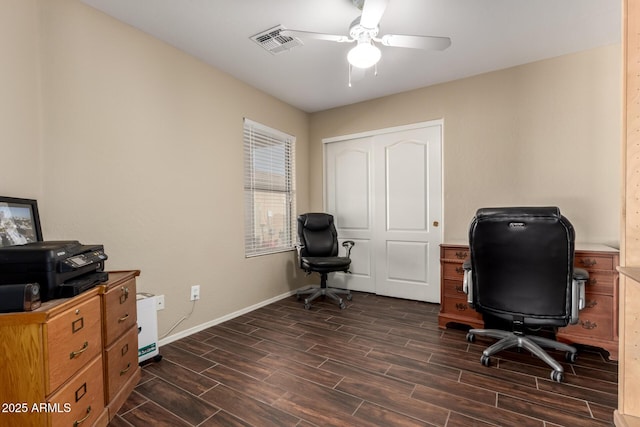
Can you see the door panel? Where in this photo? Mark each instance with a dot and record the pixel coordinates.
(348, 174)
(352, 196)
(406, 261)
(385, 190)
(406, 186)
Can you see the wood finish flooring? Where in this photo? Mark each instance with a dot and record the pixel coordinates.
(380, 362)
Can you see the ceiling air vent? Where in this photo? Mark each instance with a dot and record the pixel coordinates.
(272, 41)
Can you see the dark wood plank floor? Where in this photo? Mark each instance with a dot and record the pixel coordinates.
(380, 362)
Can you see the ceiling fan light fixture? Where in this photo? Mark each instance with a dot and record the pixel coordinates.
(364, 55)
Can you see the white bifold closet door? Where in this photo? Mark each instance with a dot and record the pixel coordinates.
(385, 190)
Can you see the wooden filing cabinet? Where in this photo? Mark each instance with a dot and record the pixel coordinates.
(598, 324)
(72, 361)
(120, 337)
(52, 364)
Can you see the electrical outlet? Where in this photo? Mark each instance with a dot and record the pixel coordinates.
(195, 292)
(160, 302)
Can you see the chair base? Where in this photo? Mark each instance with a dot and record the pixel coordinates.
(532, 343)
(316, 292)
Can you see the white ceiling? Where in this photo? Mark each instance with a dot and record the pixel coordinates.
(486, 35)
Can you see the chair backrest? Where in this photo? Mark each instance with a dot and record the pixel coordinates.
(522, 264)
(318, 235)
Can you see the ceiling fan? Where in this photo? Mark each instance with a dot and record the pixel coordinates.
(364, 31)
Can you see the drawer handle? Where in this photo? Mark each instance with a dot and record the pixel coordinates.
(593, 281)
(459, 270)
(587, 262)
(125, 370)
(460, 289)
(78, 422)
(591, 303)
(124, 295)
(82, 350)
(587, 324)
(461, 307)
(123, 318)
(461, 255)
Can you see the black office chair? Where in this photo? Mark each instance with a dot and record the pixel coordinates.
(318, 252)
(521, 273)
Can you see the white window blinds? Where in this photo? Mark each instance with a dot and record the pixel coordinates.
(269, 190)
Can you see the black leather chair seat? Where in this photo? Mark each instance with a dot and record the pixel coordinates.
(326, 264)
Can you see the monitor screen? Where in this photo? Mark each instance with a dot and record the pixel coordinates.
(19, 221)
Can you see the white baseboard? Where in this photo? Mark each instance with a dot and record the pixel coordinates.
(203, 326)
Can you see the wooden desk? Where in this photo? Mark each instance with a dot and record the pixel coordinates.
(598, 324)
(72, 359)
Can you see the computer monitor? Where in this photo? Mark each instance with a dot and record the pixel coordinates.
(19, 221)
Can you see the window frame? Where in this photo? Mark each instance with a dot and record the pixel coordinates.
(257, 136)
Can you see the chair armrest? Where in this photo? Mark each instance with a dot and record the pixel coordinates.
(348, 244)
(467, 282)
(299, 252)
(580, 277)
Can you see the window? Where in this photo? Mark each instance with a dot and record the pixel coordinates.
(269, 191)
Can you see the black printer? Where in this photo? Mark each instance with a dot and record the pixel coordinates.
(61, 268)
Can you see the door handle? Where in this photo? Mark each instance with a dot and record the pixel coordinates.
(436, 223)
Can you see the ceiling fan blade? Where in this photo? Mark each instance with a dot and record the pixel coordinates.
(372, 12)
(317, 36)
(416, 42)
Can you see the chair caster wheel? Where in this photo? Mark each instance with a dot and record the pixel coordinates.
(307, 306)
(343, 306)
(471, 338)
(557, 376)
(349, 297)
(570, 357)
(485, 360)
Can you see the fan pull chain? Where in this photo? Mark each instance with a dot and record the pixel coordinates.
(350, 74)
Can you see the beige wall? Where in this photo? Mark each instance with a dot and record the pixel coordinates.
(21, 174)
(128, 142)
(142, 152)
(545, 133)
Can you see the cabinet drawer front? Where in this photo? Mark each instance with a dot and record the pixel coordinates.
(82, 399)
(595, 262)
(120, 310)
(460, 307)
(121, 362)
(596, 319)
(453, 270)
(455, 253)
(454, 289)
(600, 282)
(73, 338)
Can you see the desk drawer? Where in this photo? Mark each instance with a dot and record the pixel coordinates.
(595, 320)
(600, 282)
(460, 307)
(121, 362)
(73, 338)
(455, 253)
(452, 270)
(120, 310)
(593, 261)
(81, 399)
(453, 288)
